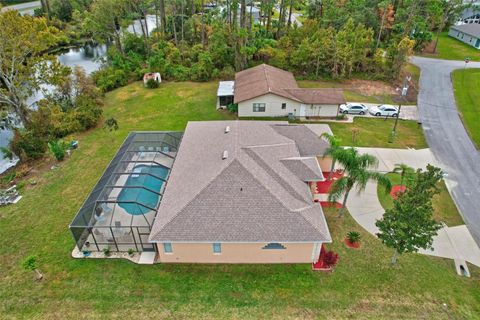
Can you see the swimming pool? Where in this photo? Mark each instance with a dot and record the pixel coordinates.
(142, 195)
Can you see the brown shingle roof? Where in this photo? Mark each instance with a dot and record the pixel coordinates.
(263, 79)
(251, 196)
(318, 96)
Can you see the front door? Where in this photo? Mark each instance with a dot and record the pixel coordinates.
(302, 110)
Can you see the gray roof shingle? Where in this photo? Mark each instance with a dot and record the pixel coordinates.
(251, 196)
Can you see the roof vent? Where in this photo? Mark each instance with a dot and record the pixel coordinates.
(225, 155)
(227, 129)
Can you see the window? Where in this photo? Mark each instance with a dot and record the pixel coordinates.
(259, 107)
(167, 247)
(275, 246)
(217, 248)
(284, 106)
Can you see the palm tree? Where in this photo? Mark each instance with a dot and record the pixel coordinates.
(332, 151)
(356, 174)
(404, 170)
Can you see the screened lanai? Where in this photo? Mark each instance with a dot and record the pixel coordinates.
(120, 211)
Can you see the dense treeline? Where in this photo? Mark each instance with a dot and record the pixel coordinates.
(196, 40)
(199, 41)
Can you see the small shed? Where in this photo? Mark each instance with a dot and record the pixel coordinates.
(225, 94)
(152, 76)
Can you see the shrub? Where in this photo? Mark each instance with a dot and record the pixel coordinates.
(152, 84)
(58, 149)
(131, 251)
(330, 258)
(353, 236)
(110, 78)
(28, 145)
(232, 107)
(106, 251)
(30, 263)
(111, 124)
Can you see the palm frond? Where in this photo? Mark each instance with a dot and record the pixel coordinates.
(337, 189)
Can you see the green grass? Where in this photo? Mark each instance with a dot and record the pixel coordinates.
(350, 94)
(450, 48)
(445, 209)
(363, 285)
(466, 85)
(374, 132)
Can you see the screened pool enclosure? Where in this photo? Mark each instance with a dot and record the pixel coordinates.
(120, 211)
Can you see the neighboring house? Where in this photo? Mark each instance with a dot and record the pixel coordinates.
(252, 13)
(471, 14)
(266, 91)
(467, 33)
(238, 193)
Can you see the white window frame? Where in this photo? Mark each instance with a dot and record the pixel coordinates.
(258, 105)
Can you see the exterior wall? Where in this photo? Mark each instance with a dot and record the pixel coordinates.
(318, 110)
(239, 253)
(325, 163)
(273, 107)
(465, 38)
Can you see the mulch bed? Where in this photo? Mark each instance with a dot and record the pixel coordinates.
(324, 186)
(326, 204)
(355, 245)
(396, 190)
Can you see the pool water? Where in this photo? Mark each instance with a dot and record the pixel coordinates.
(142, 195)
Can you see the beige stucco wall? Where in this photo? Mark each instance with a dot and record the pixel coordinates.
(325, 163)
(273, 106)
(239, 253)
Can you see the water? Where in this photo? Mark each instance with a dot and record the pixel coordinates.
(135, 27)
(89, 57)
(141, 195)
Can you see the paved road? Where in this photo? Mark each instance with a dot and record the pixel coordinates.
(24, 8)
(447, 137)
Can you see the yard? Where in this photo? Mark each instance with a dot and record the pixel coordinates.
(445, 209)
(466, 84)
(374, 132)
(363, 285)
(451, 49)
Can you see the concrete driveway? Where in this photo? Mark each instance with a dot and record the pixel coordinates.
(447, 137)
(407, 112)
(388, 158)
(451, 242)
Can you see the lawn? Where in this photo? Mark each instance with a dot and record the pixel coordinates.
(452, 49)
(364, 285)
(445, 209)
(374, 132)
(466, 84)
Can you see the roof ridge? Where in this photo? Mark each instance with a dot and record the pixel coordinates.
(301, 211)
(194, 196)
(267, 79)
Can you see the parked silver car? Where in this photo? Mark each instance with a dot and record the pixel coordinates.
(385, 110)
(353, 108)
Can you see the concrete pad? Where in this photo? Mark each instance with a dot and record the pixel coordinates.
(388, 158)
(147, 257)
(459, 265)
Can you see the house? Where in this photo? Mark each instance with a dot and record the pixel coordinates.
(266, 91)
(470, 14)
(467, 33)
(238, 193)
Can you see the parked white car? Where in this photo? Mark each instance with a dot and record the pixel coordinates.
(353, 108)
(385, 110)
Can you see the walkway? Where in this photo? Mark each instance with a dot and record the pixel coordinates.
(454, 243)
(448, 138)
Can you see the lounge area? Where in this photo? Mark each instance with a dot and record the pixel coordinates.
(119, 212)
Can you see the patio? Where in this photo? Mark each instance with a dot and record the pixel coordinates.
(119, 212)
